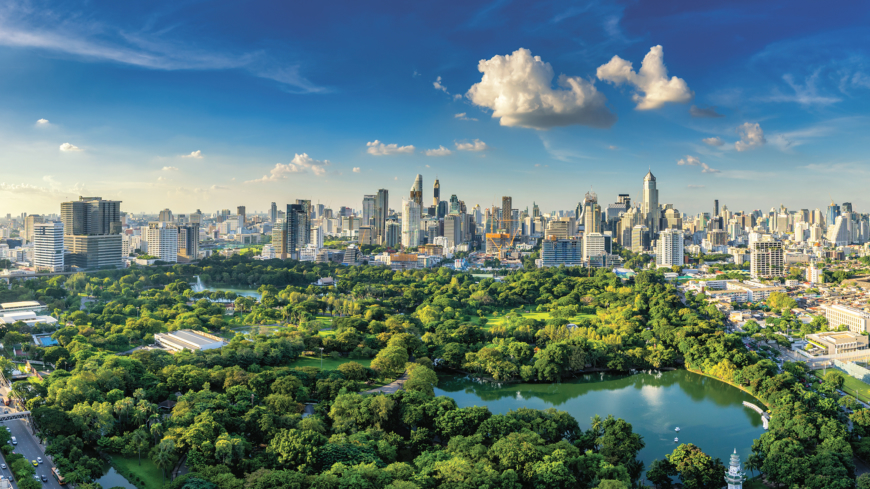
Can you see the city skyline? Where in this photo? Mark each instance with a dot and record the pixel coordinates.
(753, 110)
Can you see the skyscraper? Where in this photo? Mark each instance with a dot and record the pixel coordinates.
(417, 191)
(454, 205)
(29, 223)
(305, 225)
(162, 240)
(506, 211)
(92, 228)
(188, 241)
(165, 216)
(48, 246)
(273, 213)
(368, 210)
(833, 212)
(243, 216)
(410, 224)
(436, 193)
(766, 259)
(382, 208)
(669, 248)
(650, 207)
(591, 214)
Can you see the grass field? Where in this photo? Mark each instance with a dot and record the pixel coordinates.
(540, 316)
(754, 483)
(147, 472)
(328, 362)
(852, 386)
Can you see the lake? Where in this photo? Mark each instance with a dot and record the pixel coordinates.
(114, 479)
(709, 413)
(199, 286)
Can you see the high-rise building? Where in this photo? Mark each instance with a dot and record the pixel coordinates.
(593, 246)
(188, 241)
(382, 208)
(410, 224)
(453, 229)
(165, 216)
(296, 231)
(92, 228)
(417, 191)
(766, 258)
(831, 216)
(243, 216)
(455, 207)
(640, 238)
(715, 207)
(650, 207)
(273, 213)
(368, 210)
(436, 193)
(555, 252)
(591, 214)
(48, 246)
(506, 211)
(393, 234)
(162, 239)
(669, 248)
(29, 223)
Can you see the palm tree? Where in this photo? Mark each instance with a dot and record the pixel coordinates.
(165, 455)
(140, 437)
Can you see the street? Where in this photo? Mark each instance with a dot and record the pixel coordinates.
(28, 446)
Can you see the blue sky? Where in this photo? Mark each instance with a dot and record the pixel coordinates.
(211, 105)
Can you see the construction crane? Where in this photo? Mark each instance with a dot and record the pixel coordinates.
(498, 239)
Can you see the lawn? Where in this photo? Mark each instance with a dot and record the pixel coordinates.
(540, 316)
(328, 362)
(754, 483)
(147, 472)
(851, 386)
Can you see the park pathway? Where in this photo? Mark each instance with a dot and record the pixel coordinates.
(390, 388)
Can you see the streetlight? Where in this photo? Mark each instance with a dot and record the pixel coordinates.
(321, 358)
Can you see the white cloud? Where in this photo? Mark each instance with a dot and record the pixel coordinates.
(518, 89)
(461, 116)
(378, 148)
(170, 168)
(806, 94)
(69, 147)
(612, 147)
(714, 141)
(654, 89)
(300, 164)
(43, 122)
(438, 86)
(219, 187)
(161, 179)
(357, 169)
(439, 151)
(690, 160)
(695, 186)
(751, 136)
(194, 154)
(476, 145)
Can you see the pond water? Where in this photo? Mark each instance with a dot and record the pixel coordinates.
(114, 479)
(709, 413)
(199, 286)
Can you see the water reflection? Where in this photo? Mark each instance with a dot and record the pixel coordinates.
(709, 413)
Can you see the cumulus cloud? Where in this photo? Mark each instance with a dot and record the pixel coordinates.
(170, 168)
(690, 160)
(714, 141)
(751, 136)
(438, 86)
(476, 145)
(300, 164)
(69, 147)
(653, 87)
(708, 112)
(357, 169)
(219, 187)
(439, 151)
(518, 88)
(43, 122)
(197, 155)
(378, 148)
(461, 116)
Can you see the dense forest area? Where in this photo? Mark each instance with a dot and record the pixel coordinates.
(239, 421)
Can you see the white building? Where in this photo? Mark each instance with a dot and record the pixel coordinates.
(162, 241)
(410, 224)
(593, 246)
(766, 259)
(48, 246)
(856, 320)
(814, 275)
(669, 248)
(187, 339)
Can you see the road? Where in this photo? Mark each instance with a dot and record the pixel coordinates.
(28, 446)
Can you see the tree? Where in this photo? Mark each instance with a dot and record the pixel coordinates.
(140, 440)
(390, 361)
(164, 456)
(421, 378)
(660, 473)
(297, 449)
(696, 469)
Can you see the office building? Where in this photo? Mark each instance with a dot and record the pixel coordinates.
(556, 252)
(29, 223)
(856, 320)
(591, 214)
(640, 238)
(165, 216)
(162, 238)
(48, 246)
(766, 259)
(836, 342)
(669, 248)
(832, 214)
(507, 225)
(594, 245)
(368, 209)
(92, 228)
(650, 206)
(436, 194)
(411, 234)
(417, 191)
(393, 234)
(305, 224)
(273, 213)
(243, 216)
(382, 209)
(188, 242)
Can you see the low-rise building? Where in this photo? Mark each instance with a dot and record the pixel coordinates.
(28, 317)
(856, 320)
(839, 341)
(188, 339)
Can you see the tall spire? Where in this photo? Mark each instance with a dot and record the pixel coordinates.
(735, 476)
